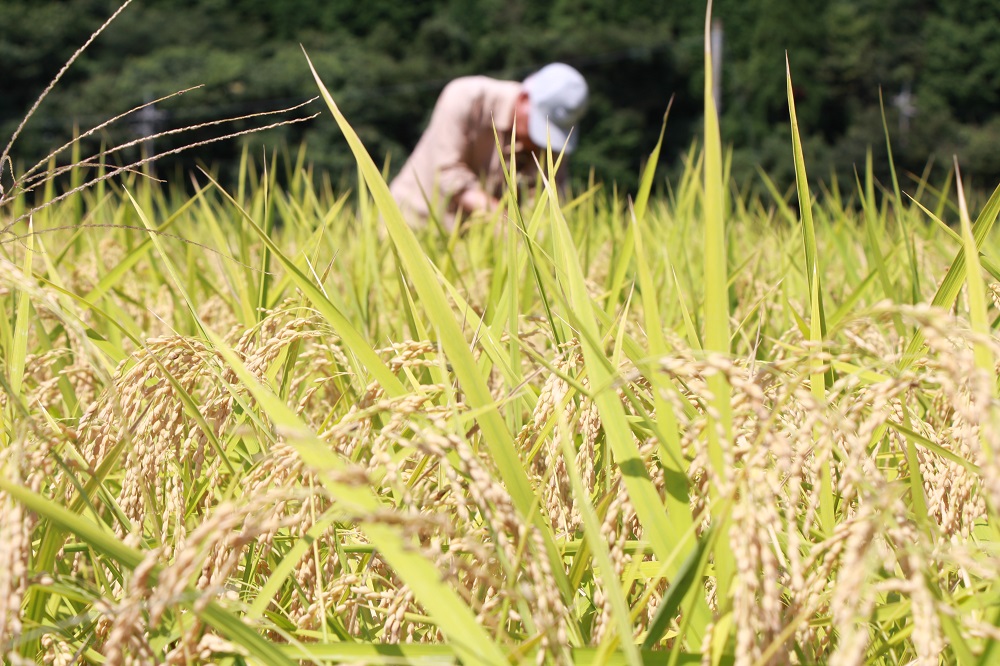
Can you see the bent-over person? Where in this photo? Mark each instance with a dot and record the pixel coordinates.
(455, 170)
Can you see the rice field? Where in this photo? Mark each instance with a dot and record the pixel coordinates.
(272, 424)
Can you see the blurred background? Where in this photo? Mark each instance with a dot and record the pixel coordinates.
(937, 64)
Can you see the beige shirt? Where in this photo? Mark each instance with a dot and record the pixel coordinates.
(458, 149)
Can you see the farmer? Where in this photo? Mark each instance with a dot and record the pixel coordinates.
(455, 170)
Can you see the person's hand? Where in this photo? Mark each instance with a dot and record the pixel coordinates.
(474, 200)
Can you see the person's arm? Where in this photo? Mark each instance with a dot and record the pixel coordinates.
(449, 129)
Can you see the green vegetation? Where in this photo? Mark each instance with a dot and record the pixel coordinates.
(386, 62)
(272, 424)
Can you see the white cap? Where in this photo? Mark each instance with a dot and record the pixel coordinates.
(557, 95)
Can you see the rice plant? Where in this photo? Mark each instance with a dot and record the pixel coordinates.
(277, 425)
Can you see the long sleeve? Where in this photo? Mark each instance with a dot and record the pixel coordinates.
(453, 120)
(457, 152)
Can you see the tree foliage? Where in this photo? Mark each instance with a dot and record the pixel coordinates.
(386, 61)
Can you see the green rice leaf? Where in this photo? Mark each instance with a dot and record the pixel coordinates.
(419, 270)
(101, 541)
(977, 306)
(716, 279)
(690, 573)
(22, 323)
(618, 434)
(948, 291)
(599, 549)
(805, 210)
(874, 248)
(677, 495)
(447, 609)
(359, 348)
(977, 291)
